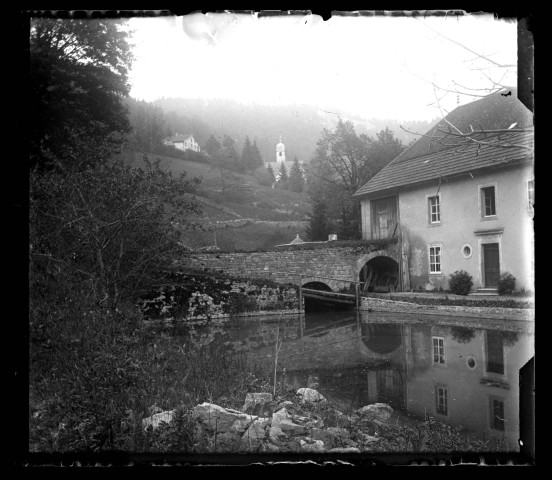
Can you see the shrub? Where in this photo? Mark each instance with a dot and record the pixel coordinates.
(460, 282)
(506, 284)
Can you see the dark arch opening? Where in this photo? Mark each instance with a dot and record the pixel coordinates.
(381, 338)
(317, 304)
(381, 274)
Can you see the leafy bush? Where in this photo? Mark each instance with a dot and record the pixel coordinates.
(506, 284)
(460, 282)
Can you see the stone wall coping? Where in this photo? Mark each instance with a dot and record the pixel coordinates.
(525, 314)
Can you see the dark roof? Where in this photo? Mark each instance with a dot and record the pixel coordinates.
(493, 112)
(428, 159)
(452, 162)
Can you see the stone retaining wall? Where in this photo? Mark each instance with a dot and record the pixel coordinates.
(197, 297)
(383, 305)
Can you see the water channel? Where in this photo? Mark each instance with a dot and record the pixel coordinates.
(463, 372)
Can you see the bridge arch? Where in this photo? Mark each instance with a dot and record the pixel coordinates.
(379, 271)
(317, 285)
(332, 285)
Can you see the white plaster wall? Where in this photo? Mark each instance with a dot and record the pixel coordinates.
(460, 218)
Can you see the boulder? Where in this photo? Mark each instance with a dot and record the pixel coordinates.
(344, 450)
(254, 436)
(242, 424)
(338, 432)
(282, 424)
(213, 417)
(254, 403)
(155, 420)
(309, 395)
(228, 442)
(311, 445)
(366, 439)
(376, 411)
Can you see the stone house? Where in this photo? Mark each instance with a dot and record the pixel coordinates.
(458, 200)
(183, 142)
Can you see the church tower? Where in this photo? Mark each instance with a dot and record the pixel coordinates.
(280, 151)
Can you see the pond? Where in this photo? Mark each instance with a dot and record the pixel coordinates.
(463, 372)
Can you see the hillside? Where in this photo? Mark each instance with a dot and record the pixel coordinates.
(237, 218)
(299, 125)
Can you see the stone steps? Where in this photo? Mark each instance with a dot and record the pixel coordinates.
(488, 292)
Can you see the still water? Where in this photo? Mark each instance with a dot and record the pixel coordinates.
(464, 372)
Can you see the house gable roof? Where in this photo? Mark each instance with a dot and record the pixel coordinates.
(429, 159)
(180, 137)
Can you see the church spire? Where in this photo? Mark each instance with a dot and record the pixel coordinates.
(280, 151)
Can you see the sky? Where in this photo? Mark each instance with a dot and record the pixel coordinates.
(373, 67)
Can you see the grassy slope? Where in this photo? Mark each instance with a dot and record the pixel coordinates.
(286, 211)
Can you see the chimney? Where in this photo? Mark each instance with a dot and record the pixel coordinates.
(332, 237)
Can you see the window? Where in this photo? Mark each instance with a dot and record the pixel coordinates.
(435, 259)
(488, 202)
(441, 404)
(438, 350)
(497, 414)
(382, 218)
(434, 210)
(280, 154)
(531, 193)
(467, 251)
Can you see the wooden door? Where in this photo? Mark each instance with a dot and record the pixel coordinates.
(491, 264)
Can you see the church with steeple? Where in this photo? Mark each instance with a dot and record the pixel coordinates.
(281, 159)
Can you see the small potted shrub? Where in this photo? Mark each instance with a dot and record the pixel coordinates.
(506, 284)
(460, 282)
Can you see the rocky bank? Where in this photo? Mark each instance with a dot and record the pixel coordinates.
(267, 424)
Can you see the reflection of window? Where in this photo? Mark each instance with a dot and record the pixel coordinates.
(441, 403)
(438, 350)
(434, 210)
(531, 193)
(497, 414)
(488, 202)
(434, 259)
(495, 352)
(280, 154)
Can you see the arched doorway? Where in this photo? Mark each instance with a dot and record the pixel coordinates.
(380, 274)
(317, 304)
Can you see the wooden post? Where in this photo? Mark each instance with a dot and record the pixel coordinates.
(300, 295)
(357, 296)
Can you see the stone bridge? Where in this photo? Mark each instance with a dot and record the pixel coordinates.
(303, 264)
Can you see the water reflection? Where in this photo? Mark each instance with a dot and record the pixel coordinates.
(419, 365)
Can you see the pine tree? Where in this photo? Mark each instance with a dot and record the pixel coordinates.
(318, 228)
(271, 173)
(212, 146)
(283, 178)
(230, 156)
(246, 160)
(296, 180)
(257, 159)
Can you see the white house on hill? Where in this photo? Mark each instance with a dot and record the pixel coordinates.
(183, 142)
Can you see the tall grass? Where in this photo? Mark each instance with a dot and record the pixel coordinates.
(94, 375)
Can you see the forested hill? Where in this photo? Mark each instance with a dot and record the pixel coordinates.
(299, 125)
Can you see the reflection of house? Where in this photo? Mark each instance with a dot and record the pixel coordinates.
(466, 377)
(459, 204)
(183, 142)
